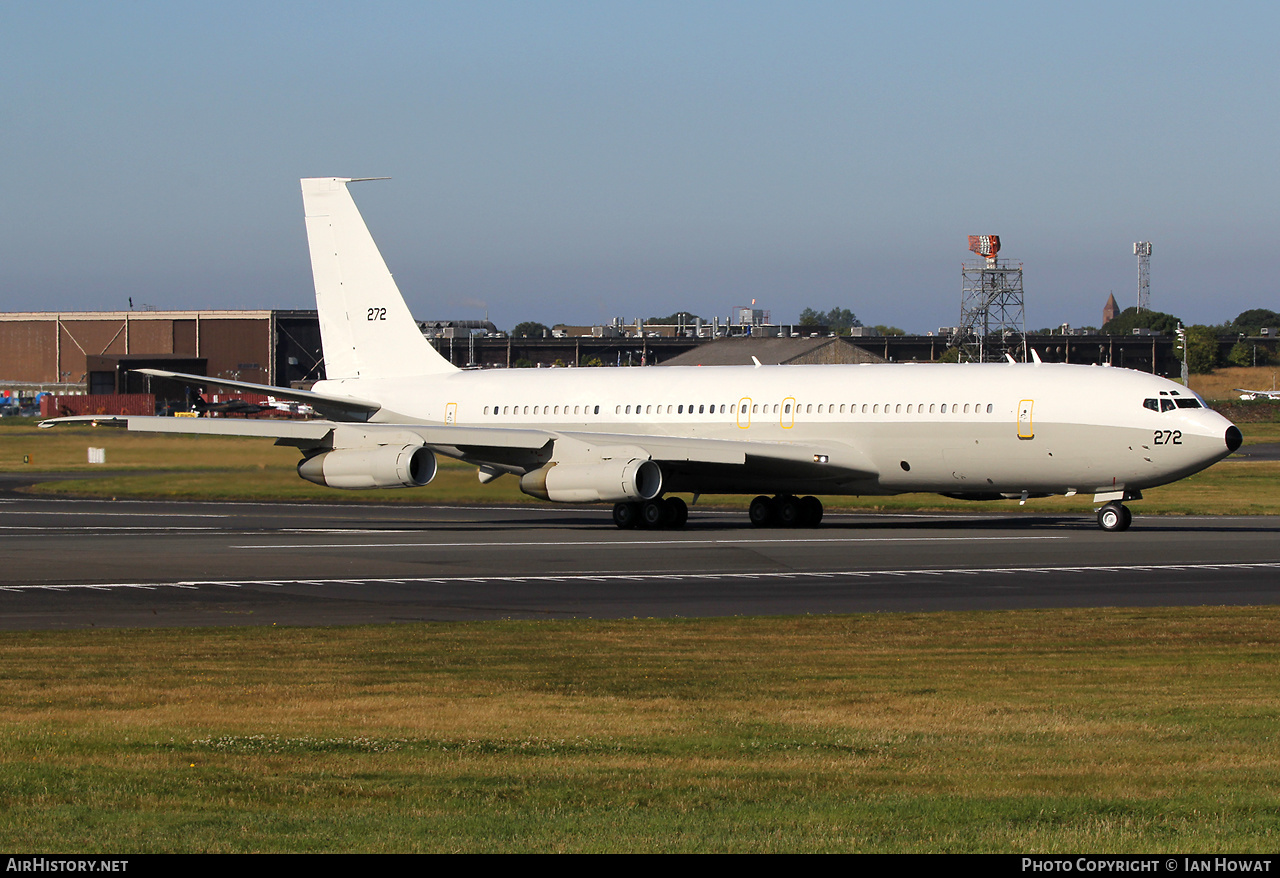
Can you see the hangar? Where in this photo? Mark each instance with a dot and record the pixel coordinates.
(93, 351)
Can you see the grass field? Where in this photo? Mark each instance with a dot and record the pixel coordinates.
(216, 468)
(1037, 731)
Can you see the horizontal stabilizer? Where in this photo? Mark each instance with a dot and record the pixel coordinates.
(340, 408)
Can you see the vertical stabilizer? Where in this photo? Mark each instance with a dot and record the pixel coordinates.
(365, 326)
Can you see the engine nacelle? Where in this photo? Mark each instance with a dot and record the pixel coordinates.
(386, 466)
(610, 481)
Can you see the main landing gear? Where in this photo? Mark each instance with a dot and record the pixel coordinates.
(785, 511)
(1115, 517)
(658, 513)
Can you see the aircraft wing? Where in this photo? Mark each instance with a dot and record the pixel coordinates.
(339, 408)
(796, 456)
(512, 447)
(321, 433)
(263, 429)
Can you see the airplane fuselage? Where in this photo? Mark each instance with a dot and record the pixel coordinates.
(882, 429)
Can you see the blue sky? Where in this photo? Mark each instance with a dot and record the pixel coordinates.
(572, 162)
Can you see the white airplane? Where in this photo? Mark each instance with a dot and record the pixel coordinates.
(290, 406)
(636, 437)
(1272, 395)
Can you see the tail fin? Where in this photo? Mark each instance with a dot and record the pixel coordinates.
(365, 327)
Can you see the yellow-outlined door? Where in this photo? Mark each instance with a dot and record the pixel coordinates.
(1025, 430)
(787, 417)
(451, 414)
(744, 412)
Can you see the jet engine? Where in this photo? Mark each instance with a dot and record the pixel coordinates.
(386, 466)
(610, 481)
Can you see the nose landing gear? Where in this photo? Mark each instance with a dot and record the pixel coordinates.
(1115, 517)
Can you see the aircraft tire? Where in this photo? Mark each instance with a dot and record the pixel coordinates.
(677, 512)
(811, 511)
(626, 515)
(1114, 517)
(652, 514)
(789, 512)
(761, 512)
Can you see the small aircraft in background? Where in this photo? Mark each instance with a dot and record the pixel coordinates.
(290, 406)
(1273, 395)
(230, 407)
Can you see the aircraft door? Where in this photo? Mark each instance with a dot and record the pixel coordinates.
(744, 412)
(1025, 430)
(787, 417)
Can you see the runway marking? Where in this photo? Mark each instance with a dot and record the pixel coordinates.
(754, 541)
(100, 528)
(113, 514)
(664, 578)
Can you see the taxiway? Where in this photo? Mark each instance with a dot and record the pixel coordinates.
(77, 564)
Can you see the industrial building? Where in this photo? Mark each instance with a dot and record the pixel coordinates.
(94, 351)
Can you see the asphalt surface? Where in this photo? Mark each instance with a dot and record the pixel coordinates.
(79, 564)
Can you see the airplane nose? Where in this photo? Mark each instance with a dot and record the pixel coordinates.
(1234, 438)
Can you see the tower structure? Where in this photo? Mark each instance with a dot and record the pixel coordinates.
(992, 314)
(1142, 249)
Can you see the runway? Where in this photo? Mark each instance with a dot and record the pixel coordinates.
(78, 564)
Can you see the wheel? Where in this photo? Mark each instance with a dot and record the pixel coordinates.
(625, 515)
(651, 513)
(789, 512)
(810, 511)
(761, 512)
(677, 512)
(1114, 517)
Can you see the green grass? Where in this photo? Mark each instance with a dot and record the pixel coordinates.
(1030, 731)
(216, 468)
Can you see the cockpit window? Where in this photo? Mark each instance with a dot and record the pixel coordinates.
(1166, 405)
(1153, 404)
(1187, 403)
